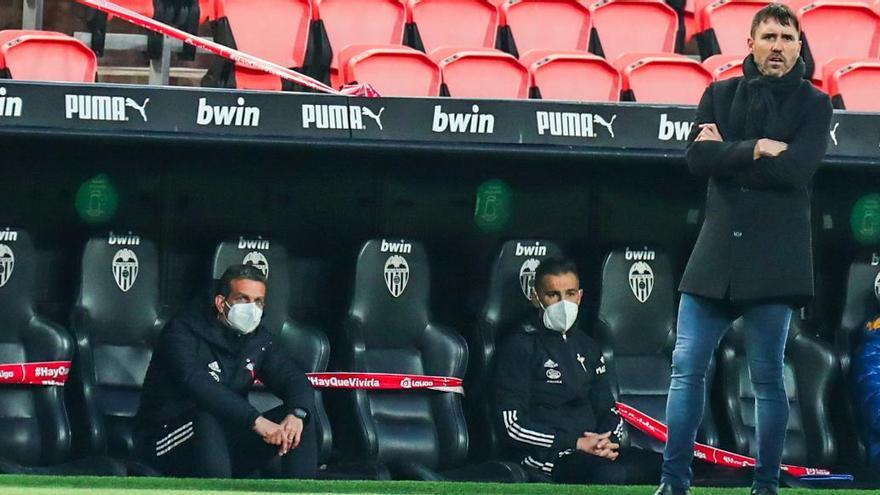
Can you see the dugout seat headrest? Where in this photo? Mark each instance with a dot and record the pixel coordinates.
(391, 291)
(636, 305)
(270, 257)
(17, 272)
(119, 287)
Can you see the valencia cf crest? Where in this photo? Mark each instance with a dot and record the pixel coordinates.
(641, 280)
(7, 263)
(125, 268)
(876, 280)
(527, 276)
(258, 261)
(396, 274)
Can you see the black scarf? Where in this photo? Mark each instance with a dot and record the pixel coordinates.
(762, 105)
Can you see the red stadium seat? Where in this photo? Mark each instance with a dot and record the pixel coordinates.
(349, 22)
(662, 78)
(46, 56)
(275, 30)
(613, 21)
(853, 83)
(839, 29)
(726, 24)
(394, 70)
(207, 11)
(724, 66)
(547, 24)
(572, 76)
(690, 20)
(454, 22)
(481, 73)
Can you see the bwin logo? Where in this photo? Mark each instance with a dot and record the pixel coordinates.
(258, 261)
(228, 116)
(395, 247)
(527, 276)
(470, 123)
(339, 117)
(123, 240)
(672, 129)
(7, 264)
(8, 235)
(125, 269)
(641, 280)
(396, 275)
(10, 106)
(257, 243)
(102, 108)
(572, 124)
(644, 254)
(536, 250)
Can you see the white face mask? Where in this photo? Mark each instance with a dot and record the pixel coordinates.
(244, 317)
(560, 316)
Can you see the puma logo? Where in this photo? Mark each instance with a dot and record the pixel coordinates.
(377, 117)
(140, 108)
(598, 119)
(833, 133)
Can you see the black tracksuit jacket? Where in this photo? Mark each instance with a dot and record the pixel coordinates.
(200, 364)
(549, 390)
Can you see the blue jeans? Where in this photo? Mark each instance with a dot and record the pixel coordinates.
(702, 323)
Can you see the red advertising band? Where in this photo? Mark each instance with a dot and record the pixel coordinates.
(657, 430)
(240, 58)
(45, 373)
(385, 381)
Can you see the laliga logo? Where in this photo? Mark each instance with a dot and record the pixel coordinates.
(6, 375)
(410, 383)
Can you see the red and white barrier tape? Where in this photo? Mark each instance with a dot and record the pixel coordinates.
(45, 373)
(238, 57)
(385, 381)
(658, 430)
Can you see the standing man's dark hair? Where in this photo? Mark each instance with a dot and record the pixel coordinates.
(758, 139)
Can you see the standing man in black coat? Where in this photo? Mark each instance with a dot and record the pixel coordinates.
(758, 139)
(195, 419)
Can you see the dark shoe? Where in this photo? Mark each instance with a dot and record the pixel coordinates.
(667, 489)
(764, 491)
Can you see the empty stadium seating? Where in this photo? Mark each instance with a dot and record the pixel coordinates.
(183, 14)
(852, 83)
(571, 76)
(725, 26)
(115, 322)
(636, 327)
(505, 307)
(544, 24)
(724, 66)
(837, 29)
(613, 21)
(393, 70)
(472, 23)
(662, 78)
(810, 370)
(45, 56)
(481, 73)
(275, 30)
(419, 434)
(350, 22)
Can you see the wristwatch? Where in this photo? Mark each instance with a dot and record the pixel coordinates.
(301, 414)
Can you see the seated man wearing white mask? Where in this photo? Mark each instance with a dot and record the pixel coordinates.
(195, 419)
(552, 397)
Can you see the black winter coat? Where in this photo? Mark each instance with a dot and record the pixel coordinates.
(200, 364)
(549, 390)
(756, 240)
